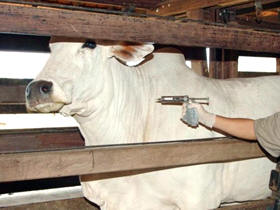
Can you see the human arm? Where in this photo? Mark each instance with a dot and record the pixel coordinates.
(265, 130)
(239, 127)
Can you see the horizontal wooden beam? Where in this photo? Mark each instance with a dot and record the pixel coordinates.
(13, 90)
(24, 43)
(179, 6)
(256, 74)
(12, 109)
(26, 200)
(46, 21)
(40, 139)
(251, 205)
(12, 93)
(111, 159)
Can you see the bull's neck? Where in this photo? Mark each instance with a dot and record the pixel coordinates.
(128, 100)
(124, 98)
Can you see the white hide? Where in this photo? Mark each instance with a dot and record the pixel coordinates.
(115, 104)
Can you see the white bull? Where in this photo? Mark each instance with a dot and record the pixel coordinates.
(115, 103)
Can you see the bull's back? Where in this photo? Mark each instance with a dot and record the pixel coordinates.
(245, 97)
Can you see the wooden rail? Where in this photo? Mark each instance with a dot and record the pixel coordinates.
(47, 21)
(127, 159)
(39, 139)
(12, 98)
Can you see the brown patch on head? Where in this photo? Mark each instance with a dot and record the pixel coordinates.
(130, 53)
(125, 53)
(128, 48)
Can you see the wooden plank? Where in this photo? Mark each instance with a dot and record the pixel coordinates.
(27, 199)
(9, 188)
(12, 93)
(69, 204)
(255, 74)
(44, 21)
(81, 203)
(141, 5)
(199, 63)
(223, 64)
(278, 65)
(13, 90)
(24, 43)
(200, 67)
(233, 2)
(230, 64)
(215, 64)
(180, 6)
(39, 139)
(251, 205)
(111, 159)
(12, 108)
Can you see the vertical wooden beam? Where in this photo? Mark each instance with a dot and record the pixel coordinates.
(198, 58)
(215, 67)
(199, 61)
(230, 64)
(223, 64)
(200, 67)
(278, 65)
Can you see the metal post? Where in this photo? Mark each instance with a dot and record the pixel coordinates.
(274, 185)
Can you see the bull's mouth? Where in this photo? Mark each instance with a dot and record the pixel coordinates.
(45, 107)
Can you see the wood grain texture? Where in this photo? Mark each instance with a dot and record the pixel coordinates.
(179, 6)
(39, 139)
(12, 90)
(111, 159)
(251, 205)
(44, 21)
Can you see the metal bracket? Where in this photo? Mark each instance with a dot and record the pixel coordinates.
(274, 185)
(259, 8)
(225, 15)
(129, 9)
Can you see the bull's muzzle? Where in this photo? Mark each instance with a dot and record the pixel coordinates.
(40, 88)
(45, 96)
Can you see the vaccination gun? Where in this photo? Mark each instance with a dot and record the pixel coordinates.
(191, 115)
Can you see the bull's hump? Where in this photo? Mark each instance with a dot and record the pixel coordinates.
(169, 55)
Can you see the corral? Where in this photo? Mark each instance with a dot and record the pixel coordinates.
(229, 28)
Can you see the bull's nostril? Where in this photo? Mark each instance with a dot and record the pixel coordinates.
(45, 89)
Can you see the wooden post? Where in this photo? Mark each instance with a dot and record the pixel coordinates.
(215, 63)
(223, 64)
(278, 65)
(230, 64)
(199, 65)
(198, 58)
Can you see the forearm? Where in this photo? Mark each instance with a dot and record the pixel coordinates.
(241, 128)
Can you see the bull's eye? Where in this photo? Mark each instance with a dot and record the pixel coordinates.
(89, 44)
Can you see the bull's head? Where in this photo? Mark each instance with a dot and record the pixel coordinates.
(64, 83)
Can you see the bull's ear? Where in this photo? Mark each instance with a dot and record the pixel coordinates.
(131, 53)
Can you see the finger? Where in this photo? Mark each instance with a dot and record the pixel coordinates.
(184, 109)
(192, 105)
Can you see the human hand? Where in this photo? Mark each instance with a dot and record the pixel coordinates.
(204, 117)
